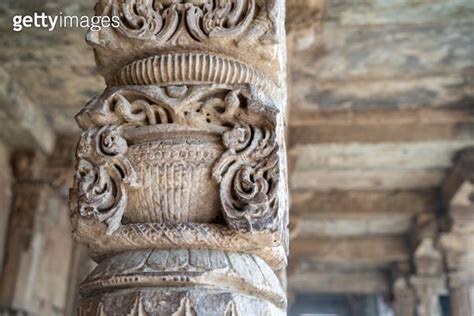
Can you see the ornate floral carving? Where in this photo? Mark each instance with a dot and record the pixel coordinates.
(118, 109)
(162, 20)
(214, 108)
(248, 171)
(249, 175)
(102, 177)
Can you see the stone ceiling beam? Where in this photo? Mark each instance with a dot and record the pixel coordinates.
(352, 203)
(327, 180)
(370, 251)
(356, 213)
(385, 66)
(339, 282)
(367, 166)
(379, 126)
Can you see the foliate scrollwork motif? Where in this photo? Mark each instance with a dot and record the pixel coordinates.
(249, 176)
(209, 107)
(102, 176)
(201, 19)
(117, 109)
(247, 172)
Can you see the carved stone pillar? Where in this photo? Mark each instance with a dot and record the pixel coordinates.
(416, 291)
(404, 297)
(180, 187)
(427, 291)
(429, 280)
(462, 294)
(33, 281)
(458, 241)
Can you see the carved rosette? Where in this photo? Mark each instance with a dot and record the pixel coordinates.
(179, 189)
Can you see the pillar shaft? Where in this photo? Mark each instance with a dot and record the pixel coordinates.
(462, 300)
(458, 241)
(404, 298)
(461, 289)
(180, 188)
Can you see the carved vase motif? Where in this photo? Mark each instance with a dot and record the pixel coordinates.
(176, 181)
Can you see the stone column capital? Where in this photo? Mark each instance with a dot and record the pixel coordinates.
(180, 182)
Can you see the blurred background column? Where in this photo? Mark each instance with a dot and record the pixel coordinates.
(458, 240)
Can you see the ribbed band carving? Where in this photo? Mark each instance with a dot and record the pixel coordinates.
(190, 68)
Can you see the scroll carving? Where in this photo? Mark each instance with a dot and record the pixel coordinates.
(102, 177)
(119, 110)
(216, 108)
(164, 20)
(247, 172)
(249, 176)
(202, 19)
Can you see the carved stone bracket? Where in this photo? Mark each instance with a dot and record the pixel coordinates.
(149, 20)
